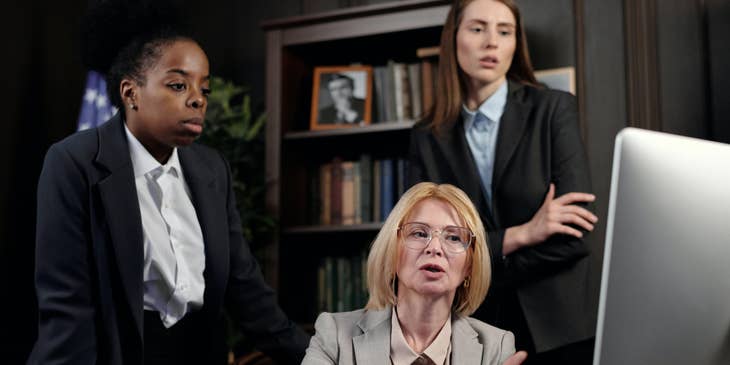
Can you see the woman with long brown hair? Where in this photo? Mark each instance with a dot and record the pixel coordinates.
(514, 147)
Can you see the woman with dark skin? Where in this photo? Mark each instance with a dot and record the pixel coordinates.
(138, 242)
(515, 149)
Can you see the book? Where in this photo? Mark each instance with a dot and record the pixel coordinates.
(348, 193)
(401, 90)
(390, 94)
(336, 192)
(314, 202)
(366, 187)
(330, 281)
(325, 184)
(425, 52)
(322, 287)
(387, 188)
(381, 101)
(356, 194)
(414, 78)
(428, 75)
(341, 279)
(376, 191)
(400, 177)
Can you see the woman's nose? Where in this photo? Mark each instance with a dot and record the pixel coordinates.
(434, 245)
(490, 38)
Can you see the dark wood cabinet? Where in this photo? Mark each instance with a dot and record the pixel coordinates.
(368, 35)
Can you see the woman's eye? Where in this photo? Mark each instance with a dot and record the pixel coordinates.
(177, 86)
(206, 92)
(476, 29)
(453, 238)
(505, 32)
(419, 234)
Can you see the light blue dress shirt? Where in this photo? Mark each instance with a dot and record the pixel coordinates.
(481, 127)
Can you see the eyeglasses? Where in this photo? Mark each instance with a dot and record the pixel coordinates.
(453, 239)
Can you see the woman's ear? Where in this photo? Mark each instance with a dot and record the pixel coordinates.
(128, 91)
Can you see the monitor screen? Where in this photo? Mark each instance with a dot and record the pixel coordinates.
(665, 290)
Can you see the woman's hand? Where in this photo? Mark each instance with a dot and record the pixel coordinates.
(553, 217)
(516, 359)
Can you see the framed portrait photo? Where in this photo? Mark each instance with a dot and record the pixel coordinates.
(558, 78)
(341, 97)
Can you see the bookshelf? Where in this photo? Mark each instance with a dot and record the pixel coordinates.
(305, 246)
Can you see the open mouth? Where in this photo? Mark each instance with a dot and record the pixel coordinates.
(432, 268)
(489, 59)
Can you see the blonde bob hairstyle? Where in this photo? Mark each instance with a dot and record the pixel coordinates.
(382, 263)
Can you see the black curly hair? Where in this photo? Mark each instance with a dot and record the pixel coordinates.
(122, 39)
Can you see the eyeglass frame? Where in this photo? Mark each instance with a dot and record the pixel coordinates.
(431, 232)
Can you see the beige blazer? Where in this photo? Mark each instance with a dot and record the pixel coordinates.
(363, 337)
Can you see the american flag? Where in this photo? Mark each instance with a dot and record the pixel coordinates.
(95, 108)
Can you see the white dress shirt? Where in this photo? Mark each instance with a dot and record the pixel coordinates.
(174, 254)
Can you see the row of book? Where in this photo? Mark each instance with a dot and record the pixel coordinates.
(341, 283)
(403, 91)
(354, 192)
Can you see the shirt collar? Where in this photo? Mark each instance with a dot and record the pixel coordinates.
(142, 160)
(492, 108)
(402, 353)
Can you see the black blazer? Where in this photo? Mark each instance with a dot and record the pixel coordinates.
(538, 143)
(89, 255)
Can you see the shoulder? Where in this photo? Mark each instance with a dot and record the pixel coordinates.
(340, 319)
(81, 143)
(422, 128)
(486, 330)
(209, 156)
(80, 149)
(498, 344)
(540, 96)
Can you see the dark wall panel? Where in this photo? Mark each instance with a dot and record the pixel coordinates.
(683, 93)
(717, 13)
(605, 103)
(550, 32)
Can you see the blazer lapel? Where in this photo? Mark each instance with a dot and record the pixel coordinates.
(455, 148)
(211, 209)
(511, 128)
(373, 346)
(465, 347)
(119, 197)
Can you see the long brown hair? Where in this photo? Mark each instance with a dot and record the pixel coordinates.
(452, 81)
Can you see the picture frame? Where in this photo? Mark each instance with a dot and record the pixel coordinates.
(562, 78)
(341, 97)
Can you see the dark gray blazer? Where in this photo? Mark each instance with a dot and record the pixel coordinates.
(89, 255)
(363, 337)
(538, 143)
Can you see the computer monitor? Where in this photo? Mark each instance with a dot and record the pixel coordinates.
(665, 290)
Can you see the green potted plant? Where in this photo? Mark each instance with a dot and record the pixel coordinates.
(236, 131)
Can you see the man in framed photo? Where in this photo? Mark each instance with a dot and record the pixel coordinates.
(345, 107)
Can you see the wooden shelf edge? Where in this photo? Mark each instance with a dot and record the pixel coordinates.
(347, 13)
(333, 228)
(372, 128)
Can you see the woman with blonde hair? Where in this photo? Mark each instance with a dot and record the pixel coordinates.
(427, 271)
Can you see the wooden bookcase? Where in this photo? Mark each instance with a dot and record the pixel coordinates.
(368, 35)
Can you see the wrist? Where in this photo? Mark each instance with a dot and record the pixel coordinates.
(514, 239)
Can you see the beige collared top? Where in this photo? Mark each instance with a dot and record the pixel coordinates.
(439, 351)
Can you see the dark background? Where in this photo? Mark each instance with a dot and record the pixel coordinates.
(43, 80)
